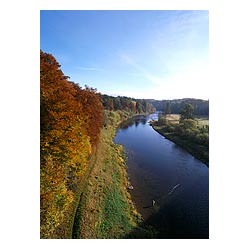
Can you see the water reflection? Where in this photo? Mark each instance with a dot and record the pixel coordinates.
(133, 121)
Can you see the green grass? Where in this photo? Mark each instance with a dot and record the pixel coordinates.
(105, 209)
(115, 219)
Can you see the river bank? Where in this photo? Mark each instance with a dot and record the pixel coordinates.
(198, 151)
(105, 208)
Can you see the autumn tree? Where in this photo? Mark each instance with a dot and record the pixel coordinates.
(133, 106)
(91, 110)
(64, 141)
(126, 103)
(139, 107)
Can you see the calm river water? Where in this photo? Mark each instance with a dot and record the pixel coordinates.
(162, 171)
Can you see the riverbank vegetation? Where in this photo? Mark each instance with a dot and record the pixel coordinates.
(103, 210)
(106, 209)
(187, 131)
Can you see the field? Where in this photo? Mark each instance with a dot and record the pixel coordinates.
(202, 121)
(174, 118)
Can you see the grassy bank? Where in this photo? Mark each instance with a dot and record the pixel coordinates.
(105, 208)
(193, 139)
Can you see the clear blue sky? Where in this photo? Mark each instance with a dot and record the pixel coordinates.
(142, 54)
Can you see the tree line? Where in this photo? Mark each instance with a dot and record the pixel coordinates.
(201, 107)
(127, 104)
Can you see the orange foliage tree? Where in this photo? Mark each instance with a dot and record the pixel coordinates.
(71, 119)
(91, 109)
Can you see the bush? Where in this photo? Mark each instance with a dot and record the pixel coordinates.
(188, 124)
(162, 121)
(202, 139)
(170, 128)
(178, 130)
(189, 133)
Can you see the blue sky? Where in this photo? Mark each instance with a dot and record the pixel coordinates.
(142, 54)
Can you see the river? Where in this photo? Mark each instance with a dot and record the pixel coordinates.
(166, 175)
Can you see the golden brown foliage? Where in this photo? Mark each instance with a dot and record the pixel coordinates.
(71, 119)
(91, 109)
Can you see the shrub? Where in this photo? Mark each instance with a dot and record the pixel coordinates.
(171, 128)
(188, 124)
(162, 121)
(178, 129)
(202, 139)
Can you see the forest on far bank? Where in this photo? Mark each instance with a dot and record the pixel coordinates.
(201, 107)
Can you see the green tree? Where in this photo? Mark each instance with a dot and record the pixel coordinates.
(117, 103)
(167, 109)
(187, 112)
